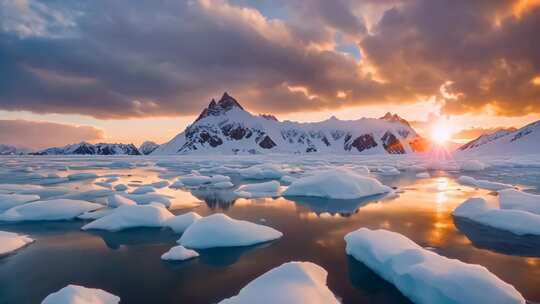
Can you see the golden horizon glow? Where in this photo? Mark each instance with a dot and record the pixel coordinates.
(441, 132)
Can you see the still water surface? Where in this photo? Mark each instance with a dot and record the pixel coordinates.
(128, 263)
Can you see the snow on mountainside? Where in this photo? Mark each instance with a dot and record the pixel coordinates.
(523, 141)
(85, 148)
(148, 147)
(225, 127)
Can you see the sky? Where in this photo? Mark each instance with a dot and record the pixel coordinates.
(130, 71)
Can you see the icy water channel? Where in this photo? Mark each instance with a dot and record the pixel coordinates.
(128, 263)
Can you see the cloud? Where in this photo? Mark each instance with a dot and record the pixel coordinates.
(35, 134)
(122, 59)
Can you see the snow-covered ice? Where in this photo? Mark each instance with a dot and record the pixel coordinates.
(180, 222)
(423, 275)
(519, 200)
(120, 187)
(262, 171)
(143, 190)
(484, 184)
(11, 200)
(81, 176)
(266, 189)
(179, 253)
(124, 217)
(116, 200)
(290, 283)
(10, 241)
(74, 294)
(219, 230)
(472, 165)
(518, 222)
(195, 180)
(49, 210)
(336, 184)
(388, 171)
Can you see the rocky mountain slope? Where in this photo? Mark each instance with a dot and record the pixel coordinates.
(85, 148)
(148, 147)
(226, 127)
(522, 141)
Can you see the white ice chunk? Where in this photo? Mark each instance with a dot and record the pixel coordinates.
(11, 200)
(120, 187)
(124, 217)
(423, 275)
(290, 283)
(516, 221)
(423, 175)
(472, 165)
(387, 171)
(219, 230)
(223, 185)
(144, 199)
(94, 215)
(515, 199)
(74, 294)
(336, 184)
(220, 179)
(143, 190)
(50, 210)
(179, 253)
(10, 242)
(180, 223)
(287, 179)
(266, 189)
(484, 184)
(263, 171)
(81, 176)
(116, 200)
(195, 180)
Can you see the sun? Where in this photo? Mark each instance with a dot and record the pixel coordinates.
(440, 132)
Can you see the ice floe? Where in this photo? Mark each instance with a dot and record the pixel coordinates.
(266, 189)
(484, 184)
(147, 198)
(180, 223)
(423, 275)
(219, 230)
(423, 175)
(518, 200)
(387, 170)
(120, 187)
(11, 200)
(81, 176)
(336, 184)
(179, 253)
(49, 210)
(518, 222)
(153, 215)
(116, 200)
(74, 294)
(290, 283)
(472, 165)
(262, 171)
(143, 190)
(10, 241)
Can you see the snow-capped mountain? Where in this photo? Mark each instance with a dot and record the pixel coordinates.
(12, 150)
(85, 148)
(226, 127)
(522, 141)
(148, 147)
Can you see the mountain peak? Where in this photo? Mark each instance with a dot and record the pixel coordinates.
(394, 118)
(225, 103)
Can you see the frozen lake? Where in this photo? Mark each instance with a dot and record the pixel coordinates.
(127, 263)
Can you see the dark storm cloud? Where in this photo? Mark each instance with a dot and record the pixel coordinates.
(120, 59)
(45, 134)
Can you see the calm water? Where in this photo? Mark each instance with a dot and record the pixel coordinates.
(128, 263)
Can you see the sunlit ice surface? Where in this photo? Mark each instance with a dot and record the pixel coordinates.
(128, 263)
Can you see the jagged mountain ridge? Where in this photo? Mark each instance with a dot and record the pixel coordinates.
(226, 127)
(147, 147)
(521, 141)
(85, 148)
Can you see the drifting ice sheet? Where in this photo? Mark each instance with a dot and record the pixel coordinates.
(11, 200)
(267, 189)
(290, 283)
(51, 210)
(73, 294)
(10, 242)
(219, 230)
(180, 223)
(518, 200)
(336, 184)
(179, 253)
(480, 183)
(153, 215)
(424, 276)
(516, 221)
